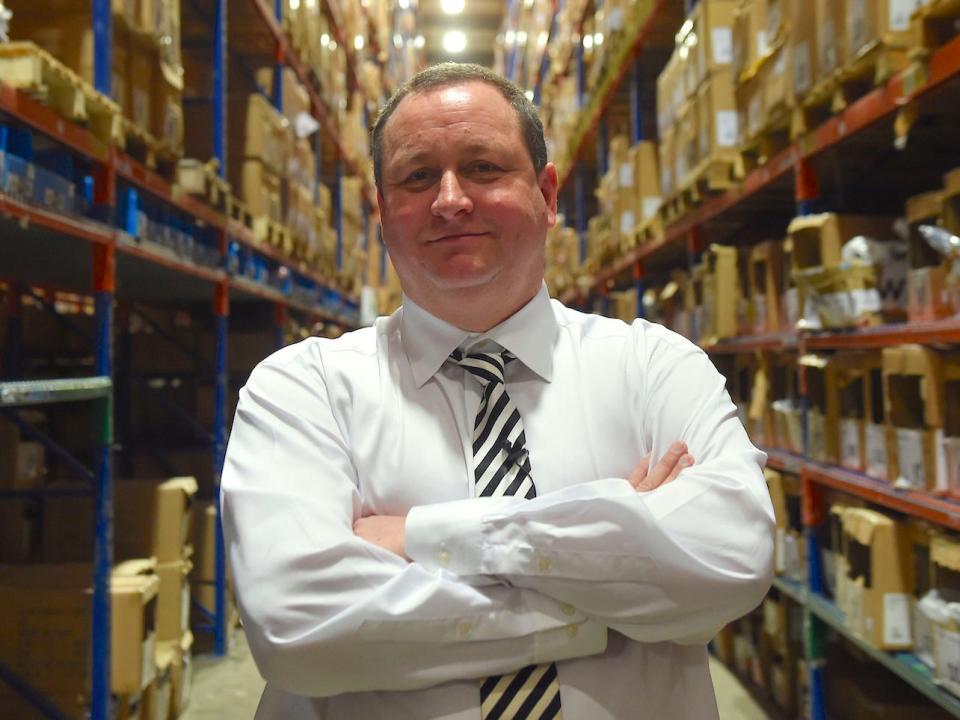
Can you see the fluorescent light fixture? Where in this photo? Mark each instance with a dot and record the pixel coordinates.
(324, 40)
(294, 4)
(358, 42)
(454, 41)
(451, 7)
(588, 42)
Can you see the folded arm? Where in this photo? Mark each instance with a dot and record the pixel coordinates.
(327, 612)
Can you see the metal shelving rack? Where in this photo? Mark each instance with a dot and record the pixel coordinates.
(99, 254)
(787, 184)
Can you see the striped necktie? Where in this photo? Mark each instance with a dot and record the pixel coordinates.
(502, 467)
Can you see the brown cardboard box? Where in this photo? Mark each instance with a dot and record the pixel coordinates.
(139, 91)
(133, 613)
(296, 99)
(766, 265)
(789, 549)
(666, 106)
(667, 151)
(716, 116)
(803, 47)
(822, 415)
(173, 607)
(870, 22)
(776, 73)
(750, 42)
(927, 297)
(647, 175)
(720, 290)
(750, 117)
(778, 14)
(818, 239)
(831, 37)
(711, 35)
(181, 674)
(260, 190)
(914, 404)
(877, 434)
(878, 580)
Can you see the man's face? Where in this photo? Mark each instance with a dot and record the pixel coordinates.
(464, 213)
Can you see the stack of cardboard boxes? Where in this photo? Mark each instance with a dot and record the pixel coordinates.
(147, 80)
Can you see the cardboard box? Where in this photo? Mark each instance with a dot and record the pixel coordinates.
(716, 116)
(831, 38)
(260, 189)
(133, 615)
(870, 23)
(776, 74)
(711, 38)
(647, 175)
(927, 277)
(789, 547)
(750, 43)
(766, 282)
(818, 239)
(667, 152)
(823, 413)
(720, 293)
(802, 43)
(914, 405)
(750, 104)
(173, 608)
(878, 579)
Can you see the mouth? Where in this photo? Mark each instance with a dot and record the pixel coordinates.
(455, 237)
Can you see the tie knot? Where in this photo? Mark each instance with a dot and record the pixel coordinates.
(486, 367)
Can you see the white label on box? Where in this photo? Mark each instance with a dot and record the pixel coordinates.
(801, 67)
(948, 657)
(876, 451)
(722, 39)
(828, 46)
(900, 12)
(850, 443)
(759, 314)
(793, 567)
(791, 306)
(857, 18)
(951, 461)
(780, 555)
(626, 175)
(650, 206)
(726, 128)
(910, 458)
(854, 606)
(896, 619)
(942, 482)
(780, 64)
(754, 114)
(628, 222)
(616, 18)
(816, 435)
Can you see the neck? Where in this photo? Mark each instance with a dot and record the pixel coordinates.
(476, 312)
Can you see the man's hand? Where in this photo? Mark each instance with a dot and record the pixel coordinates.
(675, 459)
(387, 531)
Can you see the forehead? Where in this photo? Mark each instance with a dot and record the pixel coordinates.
(472, 107)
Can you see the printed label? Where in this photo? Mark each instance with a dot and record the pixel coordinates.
(828, 46)
(650, 206)
(896, 619)
(628, 222)
(726, 128)
(763, 45)
(910, 458)
(817, 436)
(900, 12)
(876, 451)
(801, 67)
(722, 40)
(760, 313)
(850, 443)
(626, 175)
(857, 18)
(948, 657)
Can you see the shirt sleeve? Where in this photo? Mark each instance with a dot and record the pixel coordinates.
(674, 564)
(326, 612)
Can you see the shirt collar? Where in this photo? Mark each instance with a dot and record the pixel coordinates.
(530, 334)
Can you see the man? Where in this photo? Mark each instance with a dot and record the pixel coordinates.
(452, 514)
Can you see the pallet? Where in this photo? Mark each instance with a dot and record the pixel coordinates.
(36, 72)
(146, 149)
(239, 212)
(650, 230)
(874, 66)
(201, 180)
(713, 175)
(269, 231)
(772, 139)
(815, 107)
(679, 204)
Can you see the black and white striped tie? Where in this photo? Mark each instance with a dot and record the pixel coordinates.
(502, 467)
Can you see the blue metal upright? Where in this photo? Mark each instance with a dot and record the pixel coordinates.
(104, 282)
(636, 98)
(221, 312)
(102, 46)
(277, 90)
(338, 212)
(581, 75)
(220, 88)
(580, 208)
(603, 160)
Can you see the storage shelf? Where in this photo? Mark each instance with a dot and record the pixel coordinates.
(906, 666)
(42, 392)
(911, 502)
(784, 461)
(792, 589)
(923, 333)
(751, 343)
(882, 102)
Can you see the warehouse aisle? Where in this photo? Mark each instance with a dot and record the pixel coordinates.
(232, 689)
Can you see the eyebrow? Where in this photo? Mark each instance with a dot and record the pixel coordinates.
(422, 155)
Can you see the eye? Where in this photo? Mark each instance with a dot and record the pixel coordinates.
(482, 166)
(418, 176)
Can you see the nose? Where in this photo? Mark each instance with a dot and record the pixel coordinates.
(451, 200)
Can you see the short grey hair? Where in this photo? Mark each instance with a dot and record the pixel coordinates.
(446, 74)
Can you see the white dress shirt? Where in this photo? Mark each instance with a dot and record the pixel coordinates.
(622, 589)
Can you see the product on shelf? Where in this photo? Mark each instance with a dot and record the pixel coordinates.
(766, 283)
(914, 401)
(877, 38)
(940, 612)
(719, 294)
(786, 407)
(874, 593)
(789, 547)
(927, 278)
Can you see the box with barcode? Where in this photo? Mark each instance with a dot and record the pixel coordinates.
(879, 579)
(914, 403)
(709, 38)
(831, 37)
(749, 37)
(802, 44)
(717, 131)
(884, 25)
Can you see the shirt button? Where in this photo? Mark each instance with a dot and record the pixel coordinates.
(567, 609)
(444, 558)
(572, 630)
(545, 565)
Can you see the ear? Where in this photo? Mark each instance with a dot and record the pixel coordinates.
(549, 187)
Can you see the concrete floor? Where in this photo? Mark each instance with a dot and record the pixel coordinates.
(231, 688)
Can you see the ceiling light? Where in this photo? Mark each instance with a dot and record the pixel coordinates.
(598, 39)
(588, 42)
(522, 37)
(451, 7)
(358, 42)
(419, 42)
(324, 40)
(509, 37)
(529, 94)
(294, 4)
(542, 39)
(397, 40)
(454, 41)
(403, 4)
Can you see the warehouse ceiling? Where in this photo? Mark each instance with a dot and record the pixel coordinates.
(479, 21)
